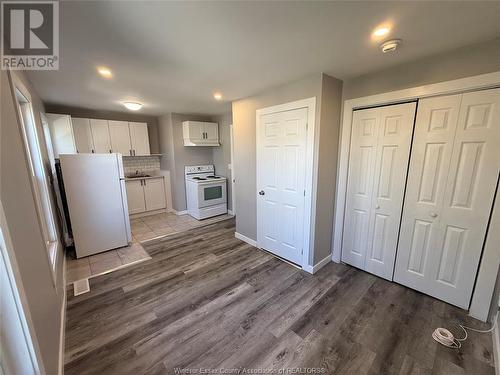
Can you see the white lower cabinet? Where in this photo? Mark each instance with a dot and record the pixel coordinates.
(145, 195)
(154, 194)
(135, 196)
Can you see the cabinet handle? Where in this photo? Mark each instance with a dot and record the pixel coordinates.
(110, 151)
(93, 151)
(130, 152)
(133, 152)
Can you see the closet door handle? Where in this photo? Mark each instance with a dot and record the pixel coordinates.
(433, 214)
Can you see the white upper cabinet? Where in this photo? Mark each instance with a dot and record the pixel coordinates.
(139, 138)
(120, 137)
(61, 132)
(83, 135)
(100, 135)
(72, 135)
(199, 133)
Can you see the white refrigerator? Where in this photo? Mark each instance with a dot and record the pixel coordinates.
(97, 202)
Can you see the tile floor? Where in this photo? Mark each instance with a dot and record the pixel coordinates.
(149, 227)
(83, 268)
(143, 229)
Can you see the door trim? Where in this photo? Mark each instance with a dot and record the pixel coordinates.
(310, 174)
(478, 309)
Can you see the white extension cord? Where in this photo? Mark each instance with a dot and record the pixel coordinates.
(446, 338)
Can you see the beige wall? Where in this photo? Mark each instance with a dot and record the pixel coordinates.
(222, 155)
(44, 299)
(463, 62)
(327, 125)
(112, 115)
(177, 156)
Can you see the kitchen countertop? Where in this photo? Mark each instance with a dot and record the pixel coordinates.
(142, 178)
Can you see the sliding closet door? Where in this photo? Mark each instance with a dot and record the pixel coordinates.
(451, 185)
(378, 162)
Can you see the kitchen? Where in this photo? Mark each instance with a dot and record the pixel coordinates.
(149, 208)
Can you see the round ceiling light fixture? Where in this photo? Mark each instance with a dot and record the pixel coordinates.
(390, 45)
(217, 96)
(133, 106)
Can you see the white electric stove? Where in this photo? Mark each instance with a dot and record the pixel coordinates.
(205, 192)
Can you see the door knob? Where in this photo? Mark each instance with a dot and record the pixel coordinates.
(262, 192)
(433, 214)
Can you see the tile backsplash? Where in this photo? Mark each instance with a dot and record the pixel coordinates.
(141, 164)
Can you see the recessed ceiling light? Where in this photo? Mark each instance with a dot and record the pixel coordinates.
(390, 45)
(133, 106)
(217, 96)
(381, 31)
(105, 72)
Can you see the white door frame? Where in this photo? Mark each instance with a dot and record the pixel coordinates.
(233, 176)
(311, 171)
(483, 81)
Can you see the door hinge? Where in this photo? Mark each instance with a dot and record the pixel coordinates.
(307, 126)
(304, 193)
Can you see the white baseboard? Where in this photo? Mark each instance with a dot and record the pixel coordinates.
(179, 213)
(245, 239)
(230, 212)
(319, 265)
(496, 348)
(62, 330)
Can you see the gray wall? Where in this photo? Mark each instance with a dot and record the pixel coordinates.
(327, 124)
(111, 115)
(463, 62)
(44, 299)
(327, 140)
(222, 155)
(177, 156)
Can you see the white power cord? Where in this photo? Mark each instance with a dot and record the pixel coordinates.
(446, 338)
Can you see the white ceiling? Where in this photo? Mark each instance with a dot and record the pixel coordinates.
(173, 56)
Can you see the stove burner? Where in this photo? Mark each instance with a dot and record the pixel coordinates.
(199, 178)
(213, 176)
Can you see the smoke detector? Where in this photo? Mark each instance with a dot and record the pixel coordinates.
(390, 45)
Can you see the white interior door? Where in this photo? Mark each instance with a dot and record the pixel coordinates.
(380, 149)
(362, 156)
(281, 155)
(100, 136)
(139, 138)
(452, 182)
(120, 137)
(83, 135)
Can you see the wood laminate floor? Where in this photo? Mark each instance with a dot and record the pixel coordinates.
(206, 300)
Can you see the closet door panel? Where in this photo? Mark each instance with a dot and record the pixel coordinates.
(362, 158)
(393, 150)
(468, 197)
(429, 164)
(451, 188)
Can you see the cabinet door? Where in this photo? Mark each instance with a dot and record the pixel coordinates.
(154, 192)
(100, 135)
(139, 138)
(61, 133)
(211, 132)
(83, 135)
(193, 131)
(120, 137)
(135, 196)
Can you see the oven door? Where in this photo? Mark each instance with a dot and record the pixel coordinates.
(211, 193)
